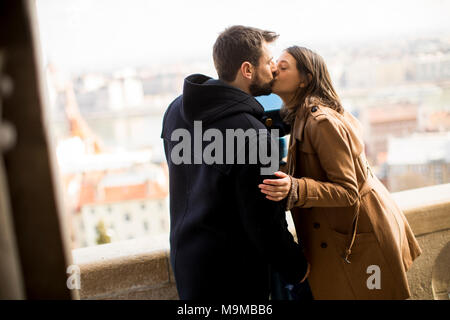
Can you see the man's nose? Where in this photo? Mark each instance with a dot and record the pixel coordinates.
(273, 67)
(275, 72)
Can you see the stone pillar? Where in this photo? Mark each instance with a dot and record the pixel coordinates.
(11, 286)
(30, 163)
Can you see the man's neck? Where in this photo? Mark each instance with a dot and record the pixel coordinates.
(239, 85)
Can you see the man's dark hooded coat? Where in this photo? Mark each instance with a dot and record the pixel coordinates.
(224, 233)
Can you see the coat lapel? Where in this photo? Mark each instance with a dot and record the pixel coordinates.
(298, 128)
(299, 123)
(296, 134)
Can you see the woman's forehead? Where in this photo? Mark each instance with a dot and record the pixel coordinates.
(285, 57)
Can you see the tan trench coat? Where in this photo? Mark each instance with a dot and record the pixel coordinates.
(344, 216)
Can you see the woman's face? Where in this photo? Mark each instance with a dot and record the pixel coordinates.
(288, 80)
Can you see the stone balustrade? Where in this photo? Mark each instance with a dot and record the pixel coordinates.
(140, 268)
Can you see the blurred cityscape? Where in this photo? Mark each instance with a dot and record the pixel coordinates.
(106, 129)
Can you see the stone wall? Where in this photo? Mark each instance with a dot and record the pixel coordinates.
(132, 269)
(140, 269)
(428, 213)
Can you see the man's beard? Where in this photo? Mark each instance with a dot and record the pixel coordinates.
(260, 89)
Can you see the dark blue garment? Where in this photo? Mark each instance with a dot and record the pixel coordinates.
(224, 233)
(281, 290)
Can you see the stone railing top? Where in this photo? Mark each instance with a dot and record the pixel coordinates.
(427, 209)
(423, 197)
(121, 249)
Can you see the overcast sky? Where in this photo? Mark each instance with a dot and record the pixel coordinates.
(85, 34)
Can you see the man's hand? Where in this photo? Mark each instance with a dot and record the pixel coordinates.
(276, 189)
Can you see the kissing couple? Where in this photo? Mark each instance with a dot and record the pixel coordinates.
(229, 238)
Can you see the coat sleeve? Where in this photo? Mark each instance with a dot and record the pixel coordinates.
(332, 145)
(265, 224)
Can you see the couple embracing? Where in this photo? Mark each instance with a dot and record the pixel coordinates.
(228, 231)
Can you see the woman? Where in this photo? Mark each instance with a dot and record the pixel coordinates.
(357, 240)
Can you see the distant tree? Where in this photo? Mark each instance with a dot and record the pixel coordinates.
(102, 235)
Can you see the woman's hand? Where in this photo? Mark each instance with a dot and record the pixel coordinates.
(276, 189)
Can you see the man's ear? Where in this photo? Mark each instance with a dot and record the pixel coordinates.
(246, 70)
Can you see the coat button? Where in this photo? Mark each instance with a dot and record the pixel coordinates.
(314, 109)
(323, 245)
(268, 122)
(316, 225)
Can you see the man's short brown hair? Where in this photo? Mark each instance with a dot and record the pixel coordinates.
(238, 44)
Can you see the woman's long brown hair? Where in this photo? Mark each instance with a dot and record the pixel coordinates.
(319, 90)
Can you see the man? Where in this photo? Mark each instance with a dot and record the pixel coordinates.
(224, 233)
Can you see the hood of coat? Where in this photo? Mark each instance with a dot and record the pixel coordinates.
(208, 100)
